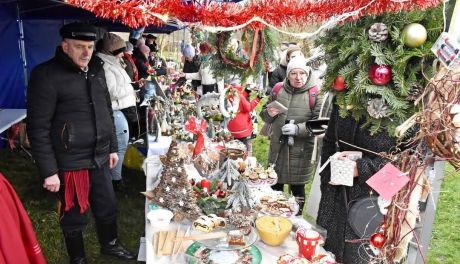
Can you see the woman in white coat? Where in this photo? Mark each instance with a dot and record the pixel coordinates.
(209, 83)
(122, 95)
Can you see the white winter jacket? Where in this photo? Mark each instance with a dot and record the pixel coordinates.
(206, 75)
(118, 82)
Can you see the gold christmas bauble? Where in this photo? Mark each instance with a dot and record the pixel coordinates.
(414, 35)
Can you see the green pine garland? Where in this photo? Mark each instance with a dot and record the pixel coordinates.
(222, 69)
(351, 53)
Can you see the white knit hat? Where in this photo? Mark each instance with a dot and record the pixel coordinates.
(189, 51)
(298, 62)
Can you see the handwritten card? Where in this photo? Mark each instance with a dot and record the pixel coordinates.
(388, 181)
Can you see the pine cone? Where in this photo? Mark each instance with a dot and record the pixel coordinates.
(415, 92)
(378, 32)
(377, 108)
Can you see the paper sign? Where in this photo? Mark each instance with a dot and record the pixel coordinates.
(388, 181)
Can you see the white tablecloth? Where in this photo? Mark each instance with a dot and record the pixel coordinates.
(269, 254)
(9, 117)
(159, 147)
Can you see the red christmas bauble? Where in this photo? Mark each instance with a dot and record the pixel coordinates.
(377, 240)
(206, 185)
(339, 84)
(380, 74)
(222, 194)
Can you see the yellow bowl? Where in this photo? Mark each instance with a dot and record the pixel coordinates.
(273, 230)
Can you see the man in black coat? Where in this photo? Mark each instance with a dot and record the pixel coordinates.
(72, 135)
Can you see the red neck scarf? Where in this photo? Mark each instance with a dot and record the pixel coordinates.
(76, 182)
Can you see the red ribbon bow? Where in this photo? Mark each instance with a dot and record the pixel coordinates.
(197, 129)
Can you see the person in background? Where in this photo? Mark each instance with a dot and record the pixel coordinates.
(131, 70)
(130, 65)
(279, 74)
(145, 72)
(137, 43)
(241, 127)
(158, 63)
(291, 141)
(73, 139)
(142, 62)
(192, 63)
(122, 96)
(151, 42)
(209, 82)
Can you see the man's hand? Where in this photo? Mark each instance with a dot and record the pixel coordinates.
(52, 183)
(273, 111)
(182, 74)
(113, 159)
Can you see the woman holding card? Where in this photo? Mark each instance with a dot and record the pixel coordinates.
(291, 142)
(346, 135)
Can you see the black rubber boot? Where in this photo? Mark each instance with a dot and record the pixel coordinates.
(107, 234)
(75, 247)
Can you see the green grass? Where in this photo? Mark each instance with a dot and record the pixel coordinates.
(41, 205)
(445, 239)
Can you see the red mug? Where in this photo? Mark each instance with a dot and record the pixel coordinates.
(307, 240)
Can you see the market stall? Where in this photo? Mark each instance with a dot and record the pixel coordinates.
(395, 113)
(206, 199)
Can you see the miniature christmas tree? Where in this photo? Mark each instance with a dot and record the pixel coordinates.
(228, 172)
(240, 199)
(174, 192)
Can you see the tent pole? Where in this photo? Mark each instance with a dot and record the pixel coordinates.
(22, 48)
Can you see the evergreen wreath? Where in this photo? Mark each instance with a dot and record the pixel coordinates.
(229, 102)
(351, 53)
(226, 62)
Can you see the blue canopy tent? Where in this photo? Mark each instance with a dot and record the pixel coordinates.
(29, 30)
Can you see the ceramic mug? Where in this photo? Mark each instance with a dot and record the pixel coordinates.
(307, 240)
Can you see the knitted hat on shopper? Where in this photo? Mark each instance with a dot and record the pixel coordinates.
(113, 44)
(140, 42)
(298, 62)
(129, 46)
(144, 49)
(189, 51)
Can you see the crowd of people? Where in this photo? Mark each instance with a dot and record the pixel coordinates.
(84, 106)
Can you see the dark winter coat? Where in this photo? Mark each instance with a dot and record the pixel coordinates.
(332, 214)
(130, 68)
(278, 75)
(143, 66)
(293, 164)
(191, 67)
(70, 124)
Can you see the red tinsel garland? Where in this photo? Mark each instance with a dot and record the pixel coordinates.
(138, 13)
